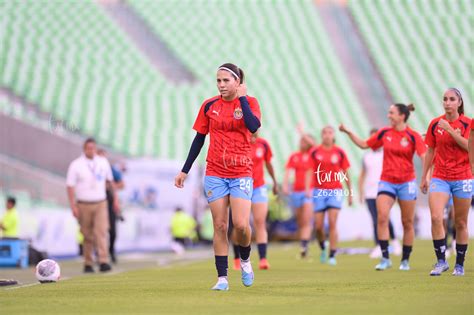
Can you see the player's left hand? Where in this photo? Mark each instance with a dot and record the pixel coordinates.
(349, 200)
(242, 90)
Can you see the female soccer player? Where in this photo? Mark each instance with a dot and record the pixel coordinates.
(398, 178)
(329, 170)
(261, 154)
(447, 140)
(230, 118)
(471, 147)
(299, 162)
(369, 178)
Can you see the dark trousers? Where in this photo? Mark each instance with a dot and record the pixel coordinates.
(371, 204)
(112, 224)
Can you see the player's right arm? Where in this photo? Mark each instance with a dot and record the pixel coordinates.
(194, 151)
(201, 125)
(427, 165)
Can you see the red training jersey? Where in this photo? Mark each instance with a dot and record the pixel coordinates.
(229, 154)
(329, 166)
(451, 162)
(472, 123)
(301, 163)
(398, 150)
(261, 154)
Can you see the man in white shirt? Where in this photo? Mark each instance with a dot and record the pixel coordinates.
(86, 180)
(369, 178)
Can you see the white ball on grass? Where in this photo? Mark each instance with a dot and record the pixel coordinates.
(48, 271)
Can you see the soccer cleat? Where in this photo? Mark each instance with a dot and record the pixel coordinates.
(303, 253)
(458, 270)
(404, 265)
(88, 269)
(247, 273)
(324, 256)
(440, 267)
(332, 261)
(236, 263)
(384, 263)
(221, 286)
(263, 264)
(105, 267)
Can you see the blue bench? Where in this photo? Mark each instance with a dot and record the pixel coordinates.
(13, 253)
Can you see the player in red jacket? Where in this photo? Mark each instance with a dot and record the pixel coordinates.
(398, 179)
(230, 118)
(329, 169)
(299, 162)
(471, 147)
(447, 140)
(261, 155)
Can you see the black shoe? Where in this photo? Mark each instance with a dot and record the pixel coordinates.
(105, 267)
(113, 258)
(88, 269)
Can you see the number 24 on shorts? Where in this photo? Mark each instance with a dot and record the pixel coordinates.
(245, 184)
(467, 185)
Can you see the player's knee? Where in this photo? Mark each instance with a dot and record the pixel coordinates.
(407, 225)
(436, 220)
(220, 227)
(260, 223)
(461, 225)
(382, 220)
(240, 227)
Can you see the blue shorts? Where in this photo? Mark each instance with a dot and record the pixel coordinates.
(217, 187)
(458, 188)
(323, 199)
(298, 199)
(260, 194)
(403, 191)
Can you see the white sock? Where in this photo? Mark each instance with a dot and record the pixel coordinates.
(222, 280)
(245, 265)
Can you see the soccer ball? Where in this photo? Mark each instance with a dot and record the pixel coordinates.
(47, 271)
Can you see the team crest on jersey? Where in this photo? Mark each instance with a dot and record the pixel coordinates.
(238, 114)
(404, 142)
(334, 158)
(259, 152)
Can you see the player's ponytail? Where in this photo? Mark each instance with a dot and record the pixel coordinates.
(405, 110)
(461, 106)
(242, 76)
(236, 72)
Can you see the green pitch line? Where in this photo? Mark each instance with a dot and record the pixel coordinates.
(292, 286)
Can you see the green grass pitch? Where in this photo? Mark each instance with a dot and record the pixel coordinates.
(292, 286)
